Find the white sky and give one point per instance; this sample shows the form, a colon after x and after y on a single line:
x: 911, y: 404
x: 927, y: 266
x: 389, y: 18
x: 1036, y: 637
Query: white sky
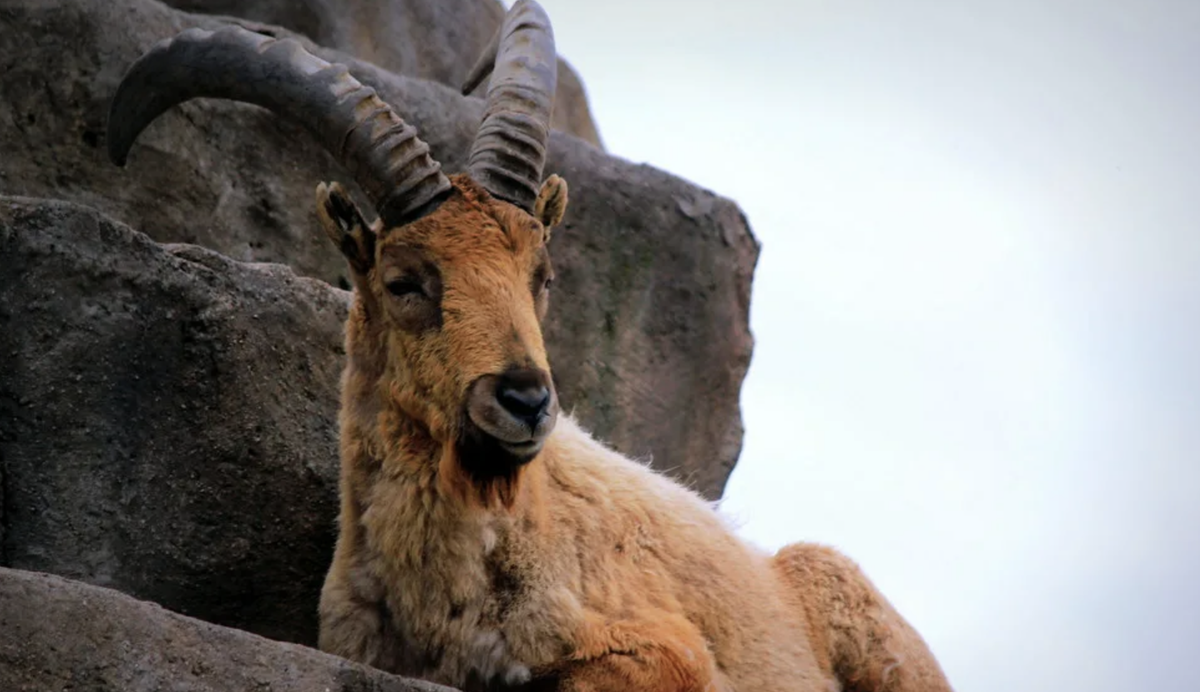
x: 977, y: 367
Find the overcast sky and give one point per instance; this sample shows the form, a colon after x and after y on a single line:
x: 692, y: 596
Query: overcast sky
x: 978, y: 359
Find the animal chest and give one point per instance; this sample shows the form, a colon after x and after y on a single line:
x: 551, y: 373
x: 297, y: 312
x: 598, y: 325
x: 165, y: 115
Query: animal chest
x: 471, y: 613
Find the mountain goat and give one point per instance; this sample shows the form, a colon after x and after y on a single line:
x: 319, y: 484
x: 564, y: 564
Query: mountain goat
x: 487, y: 541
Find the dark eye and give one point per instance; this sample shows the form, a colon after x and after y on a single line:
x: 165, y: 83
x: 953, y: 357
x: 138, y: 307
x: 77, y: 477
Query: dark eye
x: 404, y: 287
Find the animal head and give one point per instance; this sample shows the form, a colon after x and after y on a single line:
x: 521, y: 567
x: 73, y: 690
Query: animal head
x: 448, y: 320
x: 452, y: 280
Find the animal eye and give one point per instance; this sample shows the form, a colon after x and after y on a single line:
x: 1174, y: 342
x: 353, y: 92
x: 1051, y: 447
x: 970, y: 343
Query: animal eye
x: 404, y: 287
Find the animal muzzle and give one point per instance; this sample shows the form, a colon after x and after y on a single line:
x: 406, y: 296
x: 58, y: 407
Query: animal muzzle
x: 517, y: 408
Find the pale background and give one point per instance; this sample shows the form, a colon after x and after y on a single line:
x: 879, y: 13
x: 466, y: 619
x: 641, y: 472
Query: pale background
x: 977, y: 361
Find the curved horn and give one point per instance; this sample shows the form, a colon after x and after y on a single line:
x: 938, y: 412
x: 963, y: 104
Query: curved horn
x: 380, y: 150
x: 510, y: 146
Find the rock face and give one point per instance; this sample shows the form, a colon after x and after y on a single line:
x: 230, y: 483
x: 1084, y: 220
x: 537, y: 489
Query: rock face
x: 648, y: 328
x: 437, y: 40
x: 58, y: 634
x: 167, y: 419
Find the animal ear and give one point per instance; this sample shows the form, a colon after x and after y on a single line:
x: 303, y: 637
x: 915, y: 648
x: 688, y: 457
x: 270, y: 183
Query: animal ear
x: 551, y: 204
x: 344, y: 224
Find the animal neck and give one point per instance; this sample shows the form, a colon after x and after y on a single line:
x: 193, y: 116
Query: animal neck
x: 488, y: 484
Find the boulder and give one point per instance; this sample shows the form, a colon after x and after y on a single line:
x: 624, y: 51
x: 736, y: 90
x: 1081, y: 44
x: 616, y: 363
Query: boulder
x: 648, y: 329
x: 437, y: 40
x: 59, y: 634
x: 168, y: 419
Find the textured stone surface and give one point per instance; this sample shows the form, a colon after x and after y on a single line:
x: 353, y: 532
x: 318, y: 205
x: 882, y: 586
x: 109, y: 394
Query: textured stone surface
x: 437, y: 40
x: 648, y: 329
x: 57, y: 634
x: 167, y: 419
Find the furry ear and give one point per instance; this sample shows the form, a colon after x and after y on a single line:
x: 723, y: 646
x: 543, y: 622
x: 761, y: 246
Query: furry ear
x: 344, y: 224
x: 551, y: 203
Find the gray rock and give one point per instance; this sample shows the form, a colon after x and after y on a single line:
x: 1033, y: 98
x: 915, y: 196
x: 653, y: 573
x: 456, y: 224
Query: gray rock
x: 58, y: 634
x: 167, y: 419
x: 648, y: 328
x: 437, y: 40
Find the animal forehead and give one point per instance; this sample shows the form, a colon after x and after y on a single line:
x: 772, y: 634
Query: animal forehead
x: 484, y: 252
x: 472, y: 236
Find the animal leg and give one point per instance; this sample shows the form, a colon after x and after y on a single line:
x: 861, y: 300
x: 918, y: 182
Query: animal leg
x: 858, y: 637
x: 659, y: 653
x: 352, y: 620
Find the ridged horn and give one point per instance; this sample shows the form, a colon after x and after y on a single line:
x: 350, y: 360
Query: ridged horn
x: 376, y: 146
x: 510, y: 146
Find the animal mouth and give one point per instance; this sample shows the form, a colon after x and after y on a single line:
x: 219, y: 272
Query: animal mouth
x: 529, y: 446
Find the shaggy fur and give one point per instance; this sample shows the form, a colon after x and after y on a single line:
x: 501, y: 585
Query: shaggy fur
x: 573, y: 568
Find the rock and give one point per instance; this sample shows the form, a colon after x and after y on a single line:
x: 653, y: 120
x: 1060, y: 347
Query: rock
x: 167, y: 419
x: 58, y: 634
x: 437, y: 40
x: 648, y: 328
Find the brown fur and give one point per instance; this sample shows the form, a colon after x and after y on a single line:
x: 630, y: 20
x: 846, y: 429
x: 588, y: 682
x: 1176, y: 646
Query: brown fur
x: 577, y: 569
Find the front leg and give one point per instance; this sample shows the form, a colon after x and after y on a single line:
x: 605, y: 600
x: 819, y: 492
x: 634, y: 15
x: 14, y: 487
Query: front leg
x: 656, y: 652
x: 353, y: 620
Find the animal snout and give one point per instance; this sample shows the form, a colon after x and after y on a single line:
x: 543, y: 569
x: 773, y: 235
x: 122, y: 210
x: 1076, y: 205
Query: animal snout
x: 517, y: 408
x: 524, y: 395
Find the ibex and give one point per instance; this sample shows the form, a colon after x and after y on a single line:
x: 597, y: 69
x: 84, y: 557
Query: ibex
x: 486, y: 541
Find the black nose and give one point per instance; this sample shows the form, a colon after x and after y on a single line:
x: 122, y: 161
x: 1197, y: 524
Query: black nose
x: 524, y: 395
